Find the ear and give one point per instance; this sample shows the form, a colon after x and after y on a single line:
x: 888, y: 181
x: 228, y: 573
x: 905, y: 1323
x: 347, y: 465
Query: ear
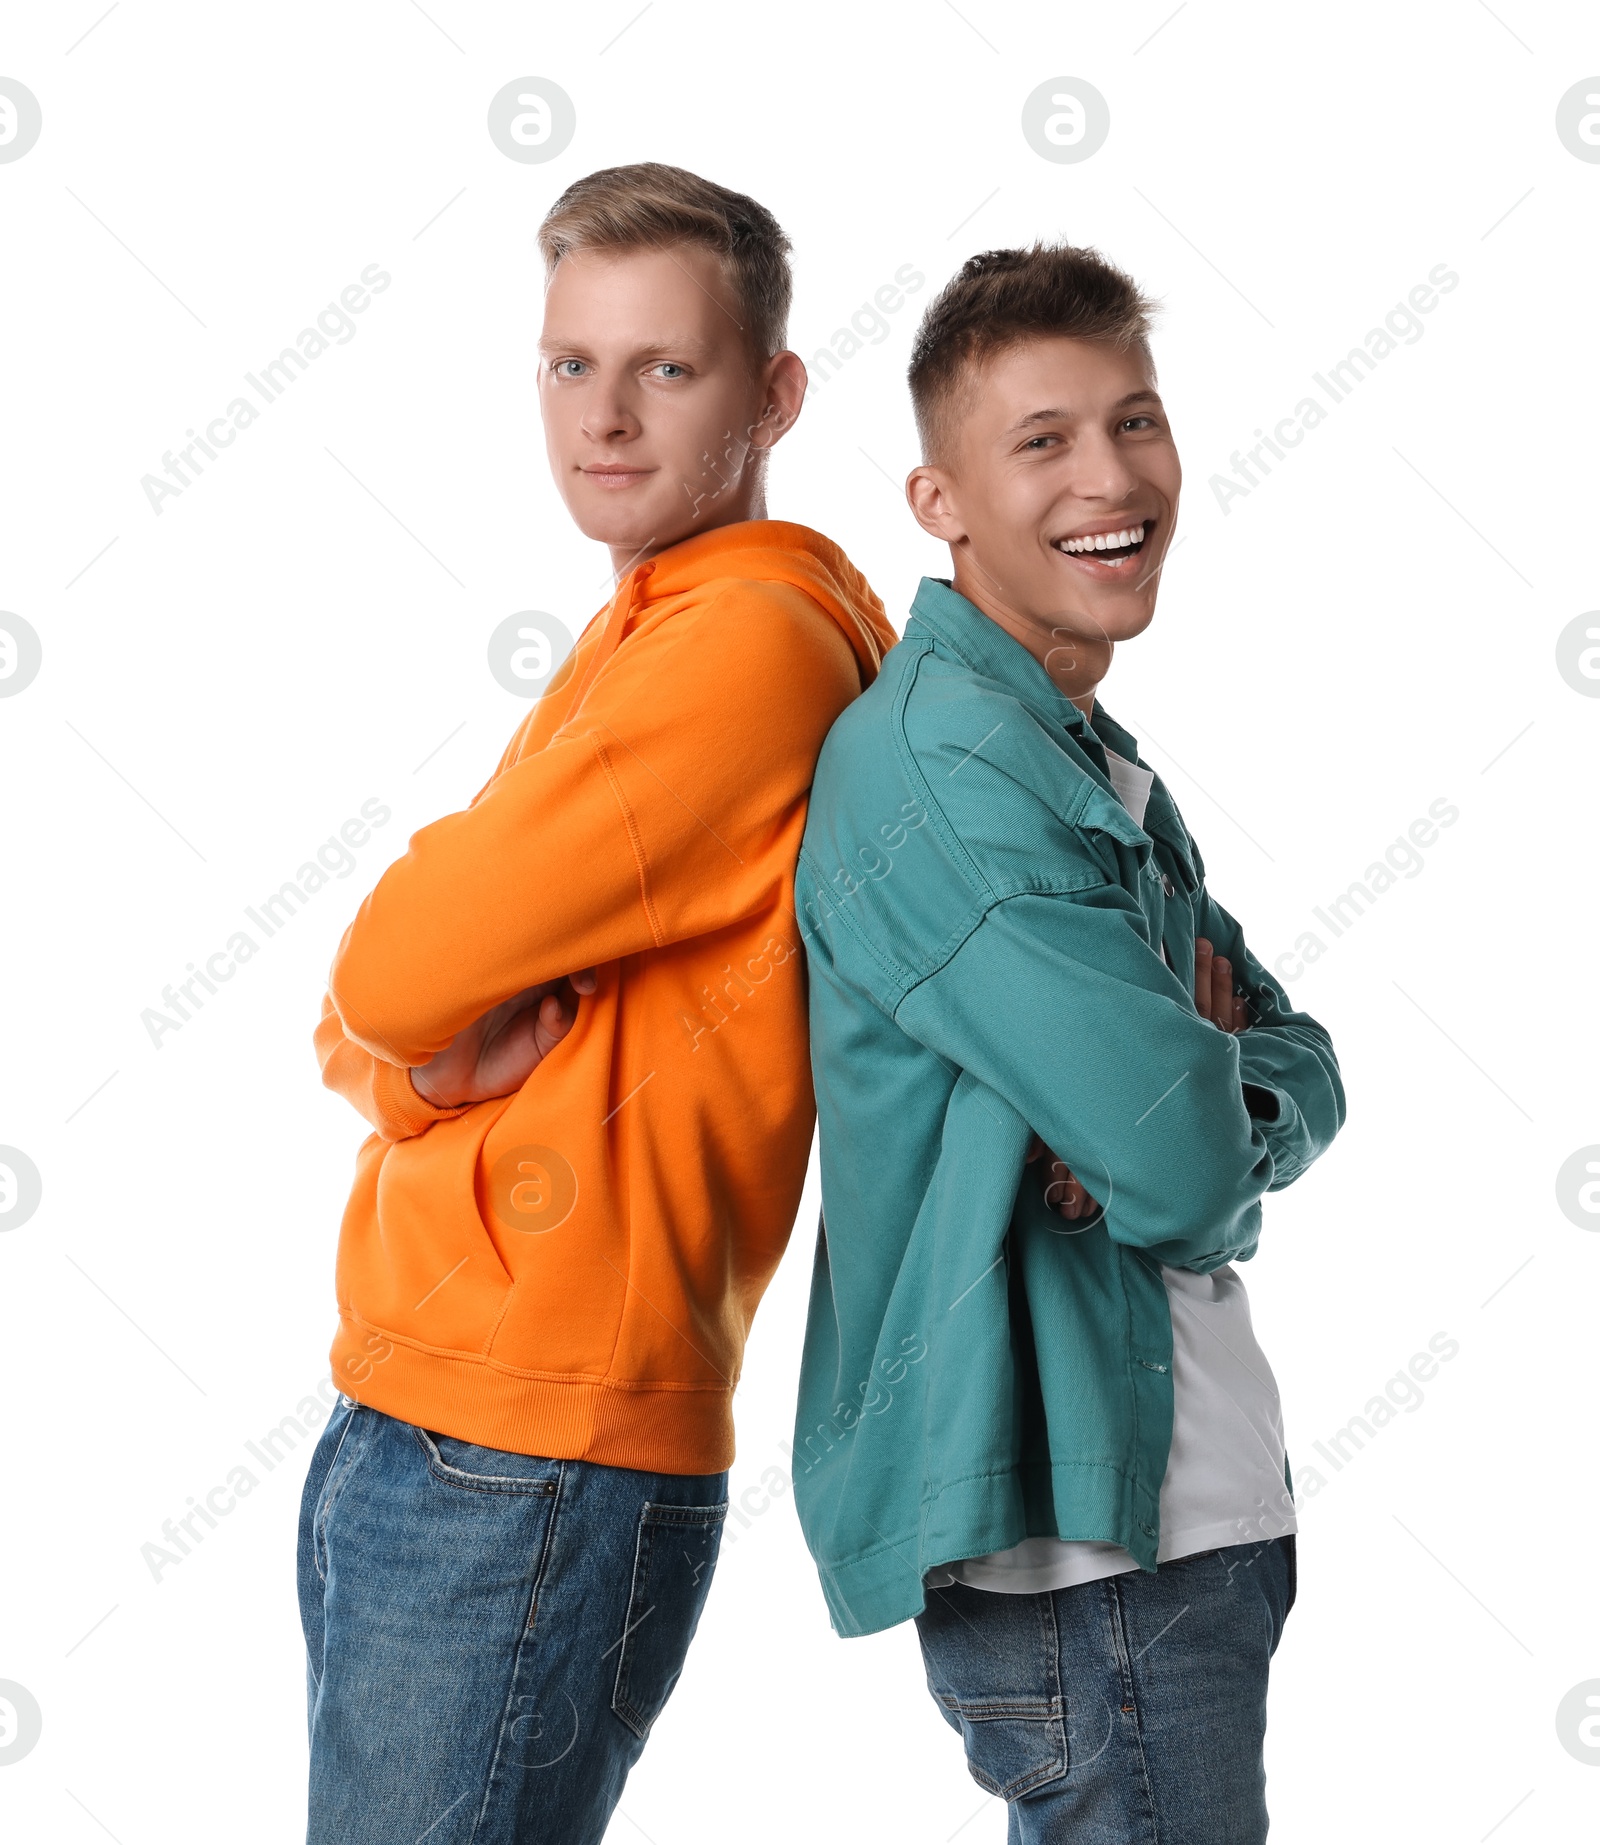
x: 785, y: 392
x: 931, y: 495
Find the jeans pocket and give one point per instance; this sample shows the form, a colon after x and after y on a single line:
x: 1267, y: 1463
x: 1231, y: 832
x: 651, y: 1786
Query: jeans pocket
x: 1013, y: 1744
x: 994, y: 1671
x: 473, y: 1468
x: 674, y: 1555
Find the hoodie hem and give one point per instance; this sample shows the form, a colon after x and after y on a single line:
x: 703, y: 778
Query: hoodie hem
x: 651, y: 1428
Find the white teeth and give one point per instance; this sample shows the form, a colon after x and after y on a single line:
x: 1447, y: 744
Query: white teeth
x: 1104, y: 541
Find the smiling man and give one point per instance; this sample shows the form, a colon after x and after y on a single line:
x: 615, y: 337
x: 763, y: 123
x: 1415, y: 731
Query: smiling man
x: 574, y: 1016
x: 1033, y: 1414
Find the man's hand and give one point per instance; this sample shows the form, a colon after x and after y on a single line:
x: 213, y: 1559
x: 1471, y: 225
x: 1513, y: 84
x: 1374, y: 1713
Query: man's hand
x: 1062, y: 1192
x: 496, y: 1056
x: 1214, y: 997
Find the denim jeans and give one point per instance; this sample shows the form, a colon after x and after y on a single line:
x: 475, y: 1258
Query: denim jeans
x: 1128, y: 1711
x: 489, y: 1636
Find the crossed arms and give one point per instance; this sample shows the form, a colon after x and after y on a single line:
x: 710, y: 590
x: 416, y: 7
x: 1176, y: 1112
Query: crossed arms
x: 1060, y: 1003
x: 1214, y: 999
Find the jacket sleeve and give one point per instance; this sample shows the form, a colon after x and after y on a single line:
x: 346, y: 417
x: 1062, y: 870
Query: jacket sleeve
x: 650, y: 817
x: 1060, y: 1004
x: 1286, y: 1058
x: 382, y: 1093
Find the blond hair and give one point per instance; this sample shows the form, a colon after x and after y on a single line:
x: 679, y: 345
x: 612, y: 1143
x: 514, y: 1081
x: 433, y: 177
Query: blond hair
x: 649, y: 206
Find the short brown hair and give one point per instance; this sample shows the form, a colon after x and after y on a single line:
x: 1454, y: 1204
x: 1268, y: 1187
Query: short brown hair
x: 649, y: 206
x: 1000, y: 299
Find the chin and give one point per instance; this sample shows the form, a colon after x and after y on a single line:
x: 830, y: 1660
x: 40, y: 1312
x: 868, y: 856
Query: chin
x: 1111, y: 620
x: 1124, y: 624
x: 611, y: 525
x: 1119, y: 613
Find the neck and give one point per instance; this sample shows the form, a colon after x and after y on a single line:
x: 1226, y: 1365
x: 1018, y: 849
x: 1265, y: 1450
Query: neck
x: 747, y: 500
x: 1075, y: 662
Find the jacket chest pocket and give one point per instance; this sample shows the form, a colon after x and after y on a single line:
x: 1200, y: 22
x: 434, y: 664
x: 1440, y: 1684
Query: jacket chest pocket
x: 1148, y: 873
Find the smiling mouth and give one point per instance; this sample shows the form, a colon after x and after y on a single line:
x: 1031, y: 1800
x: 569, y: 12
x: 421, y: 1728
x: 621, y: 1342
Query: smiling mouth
x: 1115, y: 547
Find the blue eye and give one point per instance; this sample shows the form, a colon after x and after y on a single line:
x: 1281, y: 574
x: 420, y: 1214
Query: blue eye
x: 669, y: 368
x: 560, y: 367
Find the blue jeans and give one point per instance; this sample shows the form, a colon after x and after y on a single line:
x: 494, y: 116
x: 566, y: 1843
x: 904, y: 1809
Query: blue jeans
x: 489, y: 1636
x: 1128, y: 1711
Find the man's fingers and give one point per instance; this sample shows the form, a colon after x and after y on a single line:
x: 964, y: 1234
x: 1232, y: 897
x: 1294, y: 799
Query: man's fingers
x: 1222, y: 991
x: 1062, y: 1192
x: 1065, y: 1192
x: 1214, y: 997
x: 534, y: 1030
x: 524, y: 1040
x: 552, y: 1023
x: 497, y: 1054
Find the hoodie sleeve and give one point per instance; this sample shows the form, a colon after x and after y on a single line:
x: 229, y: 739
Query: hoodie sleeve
x: 382, y: 1093
x: 657, y: 812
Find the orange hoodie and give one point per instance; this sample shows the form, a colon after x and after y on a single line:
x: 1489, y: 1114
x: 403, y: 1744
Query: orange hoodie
x: 572, y: 1270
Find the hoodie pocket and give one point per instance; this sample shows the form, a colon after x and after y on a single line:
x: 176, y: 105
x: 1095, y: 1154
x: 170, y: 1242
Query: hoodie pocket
x: 415, y: 1257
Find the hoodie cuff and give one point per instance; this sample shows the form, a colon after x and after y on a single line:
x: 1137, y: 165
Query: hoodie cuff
x: 402, y: 1112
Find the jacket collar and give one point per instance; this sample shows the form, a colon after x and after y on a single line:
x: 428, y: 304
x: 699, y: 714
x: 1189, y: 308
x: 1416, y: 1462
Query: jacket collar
x: 943, y: 615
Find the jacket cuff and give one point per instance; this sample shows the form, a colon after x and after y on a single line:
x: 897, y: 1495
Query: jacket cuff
x: 1283, y: 1129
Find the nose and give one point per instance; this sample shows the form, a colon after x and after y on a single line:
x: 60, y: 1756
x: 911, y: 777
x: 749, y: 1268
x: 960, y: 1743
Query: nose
x: 607, y: 415
x: 1102, y: 471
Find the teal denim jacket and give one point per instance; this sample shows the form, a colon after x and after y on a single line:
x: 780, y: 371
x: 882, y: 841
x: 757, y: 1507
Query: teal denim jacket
x: 995, y: 947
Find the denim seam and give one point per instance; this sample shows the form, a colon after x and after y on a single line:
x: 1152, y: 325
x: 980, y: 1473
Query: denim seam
x: 1049, y: 1618
x: 655, y: 1513
x: 1117, y: 1609
x: 622, y: 1706
x: 330, y: 1491
x: 995, y: 1710
x: 525, y: 1640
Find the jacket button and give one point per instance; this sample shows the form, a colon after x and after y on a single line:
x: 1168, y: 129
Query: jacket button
x: 1166, y: 883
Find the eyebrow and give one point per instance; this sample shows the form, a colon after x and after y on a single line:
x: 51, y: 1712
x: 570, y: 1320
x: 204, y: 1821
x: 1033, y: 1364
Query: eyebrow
x: 1059, y: 415
x: 657, y: 349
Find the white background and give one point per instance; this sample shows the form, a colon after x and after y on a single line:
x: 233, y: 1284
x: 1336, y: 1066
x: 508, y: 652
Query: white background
x: 1364, y: 633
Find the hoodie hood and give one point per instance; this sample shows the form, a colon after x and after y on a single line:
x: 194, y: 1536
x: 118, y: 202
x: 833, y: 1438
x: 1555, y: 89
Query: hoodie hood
x: 771, y: 550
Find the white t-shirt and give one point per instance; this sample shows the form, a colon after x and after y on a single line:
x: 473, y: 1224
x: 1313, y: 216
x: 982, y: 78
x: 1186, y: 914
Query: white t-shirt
x: 1224, y: 1482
